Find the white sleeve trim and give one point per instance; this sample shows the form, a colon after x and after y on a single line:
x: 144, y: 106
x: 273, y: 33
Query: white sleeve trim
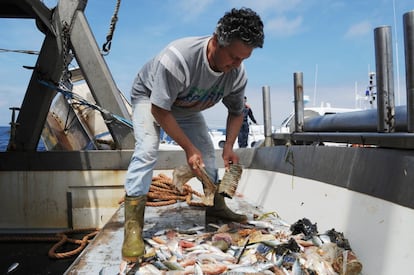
x: 172, y: 68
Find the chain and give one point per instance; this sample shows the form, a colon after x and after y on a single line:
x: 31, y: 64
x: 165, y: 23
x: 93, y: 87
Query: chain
x: 67, y: 56
x: 106, y: 47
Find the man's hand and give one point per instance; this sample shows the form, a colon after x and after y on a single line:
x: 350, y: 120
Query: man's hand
x: 168, y: 122
x: 195, y: 161
x: 229, y: 157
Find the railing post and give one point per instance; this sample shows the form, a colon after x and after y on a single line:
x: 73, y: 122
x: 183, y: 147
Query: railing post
x: 385, y: 79
x: 408, y: 23
x: 267, y: 117
x: 299, y: 105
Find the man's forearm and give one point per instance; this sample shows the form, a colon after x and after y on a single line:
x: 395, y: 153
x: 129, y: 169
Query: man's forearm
x: 234, y: 123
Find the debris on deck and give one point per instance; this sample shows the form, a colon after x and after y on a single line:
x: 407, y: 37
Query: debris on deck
x: 179, y: 242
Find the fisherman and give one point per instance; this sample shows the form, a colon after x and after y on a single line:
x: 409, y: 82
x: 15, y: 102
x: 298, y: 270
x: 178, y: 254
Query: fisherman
x: 170, y: 91
x: 245, y: 128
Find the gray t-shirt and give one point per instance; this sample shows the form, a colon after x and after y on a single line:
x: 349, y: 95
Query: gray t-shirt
x: 180, y: 78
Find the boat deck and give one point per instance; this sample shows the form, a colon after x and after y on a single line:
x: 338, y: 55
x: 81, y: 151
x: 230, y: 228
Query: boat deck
x: 103, y: 254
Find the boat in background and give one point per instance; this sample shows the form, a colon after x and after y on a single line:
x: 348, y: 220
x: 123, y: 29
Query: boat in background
x: 288, y: 124
x: 218, y: 137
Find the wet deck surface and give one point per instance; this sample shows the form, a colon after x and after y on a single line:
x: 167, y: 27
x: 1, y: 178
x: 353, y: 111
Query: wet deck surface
x: 103, y: 254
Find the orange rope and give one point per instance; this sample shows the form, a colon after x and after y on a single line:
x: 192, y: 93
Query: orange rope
x: 162, y: 192
x: 61, y: 238
x: 82, y: 244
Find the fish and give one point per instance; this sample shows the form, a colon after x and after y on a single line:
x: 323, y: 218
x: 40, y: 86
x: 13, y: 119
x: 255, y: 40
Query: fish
x: 149, y: 269
x: 222, y: 236
x: 222, y: 245
x: 213, y: 269
x: 272, y: 243
x: 197, y: 269
x: 175, y: 248
x: 188, y: 262
x: 186, y: 244
x: 192, y: 230
x: 12, y: 267
x: 325, y: 238
x: 160, y: 232
x: 166, y: 252
x: 209, y: 253
x: 264, y: 245
x: 253, y: 269
x: 159, y: 240
x: 262, y: 224
x: 296, y: 268
x: 212, y: 225
x: 316, y: 240
x: 173, y: 265
x: 159, y: 265
x: 214, y: 257
x: 279, y: 260
x: 161, y: 256
x: 152, y: 243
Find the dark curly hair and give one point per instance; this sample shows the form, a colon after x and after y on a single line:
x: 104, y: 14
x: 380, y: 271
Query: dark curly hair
x: 240, y: 24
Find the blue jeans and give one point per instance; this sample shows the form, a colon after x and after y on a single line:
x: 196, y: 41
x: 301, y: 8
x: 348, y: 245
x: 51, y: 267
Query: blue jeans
x: 147, y: 138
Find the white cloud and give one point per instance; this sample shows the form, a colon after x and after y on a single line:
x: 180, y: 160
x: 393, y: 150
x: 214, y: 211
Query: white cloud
x: 191, y: 9
x: 359, y: 29
x: 282, y: 26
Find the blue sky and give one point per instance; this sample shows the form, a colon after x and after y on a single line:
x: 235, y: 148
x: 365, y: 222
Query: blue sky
x: 330, y: 41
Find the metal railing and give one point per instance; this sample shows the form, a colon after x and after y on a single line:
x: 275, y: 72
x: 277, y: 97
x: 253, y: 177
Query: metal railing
x: 385, y: 134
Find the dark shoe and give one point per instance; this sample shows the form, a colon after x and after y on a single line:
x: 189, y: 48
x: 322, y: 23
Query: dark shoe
x: 220, y: 211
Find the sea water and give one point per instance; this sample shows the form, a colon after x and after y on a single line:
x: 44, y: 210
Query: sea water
x: 5, y: 136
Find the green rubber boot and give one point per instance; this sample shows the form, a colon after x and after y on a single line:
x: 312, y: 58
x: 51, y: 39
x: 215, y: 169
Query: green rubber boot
x: 220, y: 211
x: 133, y: 246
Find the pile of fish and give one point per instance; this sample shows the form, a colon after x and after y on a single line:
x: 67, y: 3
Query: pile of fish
x: 265, y: 245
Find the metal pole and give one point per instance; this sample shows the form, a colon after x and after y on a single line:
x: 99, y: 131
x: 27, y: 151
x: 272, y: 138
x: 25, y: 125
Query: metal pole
x: 299, y: 105
x: 408, y: 23
x: 267, y: 116
x: 385, y: 79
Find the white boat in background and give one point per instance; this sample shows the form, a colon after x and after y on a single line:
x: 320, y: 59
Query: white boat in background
x: 218, y: 137
x: 288, y: 124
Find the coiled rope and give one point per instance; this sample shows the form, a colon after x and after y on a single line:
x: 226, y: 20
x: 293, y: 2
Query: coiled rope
x: 61, y: 238
x: 64, y: 238
x: 162, y: 192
